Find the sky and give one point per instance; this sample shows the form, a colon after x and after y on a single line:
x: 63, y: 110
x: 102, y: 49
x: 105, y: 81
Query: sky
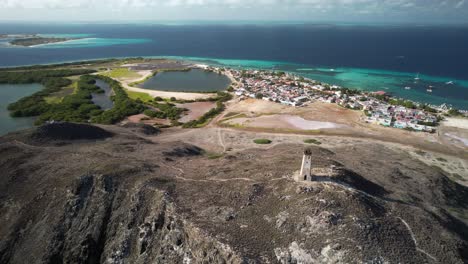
x: 377, y: 11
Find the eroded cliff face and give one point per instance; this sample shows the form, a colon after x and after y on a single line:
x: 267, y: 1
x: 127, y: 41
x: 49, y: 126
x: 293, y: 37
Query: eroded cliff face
x: 127, y: 199
x: 97, y: 219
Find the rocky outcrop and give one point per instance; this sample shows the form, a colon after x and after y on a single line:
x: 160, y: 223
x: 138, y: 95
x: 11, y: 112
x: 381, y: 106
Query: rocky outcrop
x: 131, y: 199
x: 101, y: 223
x: 68, y: 131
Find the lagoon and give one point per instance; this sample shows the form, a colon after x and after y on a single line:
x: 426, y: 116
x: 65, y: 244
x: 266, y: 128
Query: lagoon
x: 194, y: 80
x: 10, y: 93
x: 103, y: 99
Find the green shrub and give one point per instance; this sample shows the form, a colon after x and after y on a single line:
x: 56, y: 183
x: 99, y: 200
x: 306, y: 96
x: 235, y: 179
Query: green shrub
x: 262, y: 141
x: 220, y: 99
x: 312, y: 141
x: 35, y: 104
x: 123, y: 105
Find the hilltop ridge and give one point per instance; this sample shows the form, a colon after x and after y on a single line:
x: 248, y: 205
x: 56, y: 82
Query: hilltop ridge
x: 139, y: 198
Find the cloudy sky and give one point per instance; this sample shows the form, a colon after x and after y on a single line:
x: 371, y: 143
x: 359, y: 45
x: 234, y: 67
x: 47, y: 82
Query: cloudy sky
x: 435, y: 11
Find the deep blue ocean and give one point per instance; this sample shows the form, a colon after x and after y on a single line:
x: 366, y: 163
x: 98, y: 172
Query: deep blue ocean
x: 356, y: 56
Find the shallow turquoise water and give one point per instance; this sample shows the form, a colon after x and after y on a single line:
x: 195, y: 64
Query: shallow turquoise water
x: 10, y: 93
x: 92, y: 43
x: 190, y: 81
x: 455, y: 94
x: 65, y: 35
x: 234, y: 63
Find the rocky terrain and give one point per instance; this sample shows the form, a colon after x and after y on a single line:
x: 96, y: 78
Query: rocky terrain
x: 126, y: 196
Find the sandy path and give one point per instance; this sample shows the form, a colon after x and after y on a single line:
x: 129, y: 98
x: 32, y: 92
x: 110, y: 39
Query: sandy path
x: 196, y: 110
x: 415, y: 241
x: 284, y: 121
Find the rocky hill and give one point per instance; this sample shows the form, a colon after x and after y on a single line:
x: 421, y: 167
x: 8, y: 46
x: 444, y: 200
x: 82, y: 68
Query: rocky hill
x: 122, y: 197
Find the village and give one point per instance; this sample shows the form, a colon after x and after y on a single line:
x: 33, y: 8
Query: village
x: 284, y: 88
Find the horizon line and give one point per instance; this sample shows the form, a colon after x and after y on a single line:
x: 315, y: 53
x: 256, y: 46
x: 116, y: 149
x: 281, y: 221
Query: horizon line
x: 240, y: 21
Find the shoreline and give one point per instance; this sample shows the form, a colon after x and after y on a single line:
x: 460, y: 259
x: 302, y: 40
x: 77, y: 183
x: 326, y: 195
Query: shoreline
x: 163, y: 94
x: 58, y: 42
x: 205, y: 61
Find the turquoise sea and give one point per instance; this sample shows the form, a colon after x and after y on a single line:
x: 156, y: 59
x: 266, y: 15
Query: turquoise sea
x: 364, y: 79
x: 366, y: 57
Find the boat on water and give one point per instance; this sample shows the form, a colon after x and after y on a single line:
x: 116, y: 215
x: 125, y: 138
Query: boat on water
x: 449, y: 83
x: 417, y: 77
x: 407, y: 88
x: 429, y: 89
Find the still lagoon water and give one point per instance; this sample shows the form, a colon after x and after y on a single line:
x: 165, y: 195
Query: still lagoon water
x: 195, y: 80
x: 103, y: 100
x: 11, y: 93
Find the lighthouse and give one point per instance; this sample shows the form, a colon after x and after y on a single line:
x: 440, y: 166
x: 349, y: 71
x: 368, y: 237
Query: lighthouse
x: 306, y: 168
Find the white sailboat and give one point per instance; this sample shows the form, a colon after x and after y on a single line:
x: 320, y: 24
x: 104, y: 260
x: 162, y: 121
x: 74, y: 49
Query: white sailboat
x: 417, y: 77
x: 429, y: 89
x: 407, y: 88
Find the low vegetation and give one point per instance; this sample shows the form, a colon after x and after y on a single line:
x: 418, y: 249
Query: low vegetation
x: 123, y: 105
x: 262, y: 141
x: 59, y: 65
x: 312, y: 141
x: 213, y: 155
x: 35, y: 104
x: 220, y: 99
x: 165, y: 110
x: 121, y: 73
x: 77, y: 107
x: 144, y: 97
x: 454, y: 112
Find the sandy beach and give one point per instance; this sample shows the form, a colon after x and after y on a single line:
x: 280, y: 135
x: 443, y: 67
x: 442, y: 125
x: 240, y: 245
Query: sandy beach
x: 456, y: 122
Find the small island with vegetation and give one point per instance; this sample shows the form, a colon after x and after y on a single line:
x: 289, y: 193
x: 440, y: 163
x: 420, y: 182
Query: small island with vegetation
x: 30, y: 40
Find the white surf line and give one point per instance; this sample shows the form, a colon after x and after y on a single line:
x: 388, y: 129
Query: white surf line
x: 415, y: 241
x: 59, y: 42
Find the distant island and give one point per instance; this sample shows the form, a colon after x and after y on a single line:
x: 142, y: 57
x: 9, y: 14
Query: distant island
x: 29, y: 40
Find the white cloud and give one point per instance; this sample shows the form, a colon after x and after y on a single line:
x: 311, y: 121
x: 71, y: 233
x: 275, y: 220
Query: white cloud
x: 316, y: 4
x: 339, y: 10
x: 460, y: 4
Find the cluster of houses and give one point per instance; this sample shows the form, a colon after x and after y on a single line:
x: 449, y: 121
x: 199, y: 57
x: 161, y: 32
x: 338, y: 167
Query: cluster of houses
x: 296, y: 91
x: 401, y: 117
x: 280, y: 88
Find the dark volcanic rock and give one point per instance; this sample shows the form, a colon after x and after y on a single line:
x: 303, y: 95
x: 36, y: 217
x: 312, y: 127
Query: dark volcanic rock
x: 184, y: 151
x: 143, y: 129
x: 68, y: 131
x: 102, y: 202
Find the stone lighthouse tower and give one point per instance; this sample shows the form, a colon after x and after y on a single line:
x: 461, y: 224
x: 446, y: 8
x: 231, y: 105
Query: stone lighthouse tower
x: 306, y: 168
